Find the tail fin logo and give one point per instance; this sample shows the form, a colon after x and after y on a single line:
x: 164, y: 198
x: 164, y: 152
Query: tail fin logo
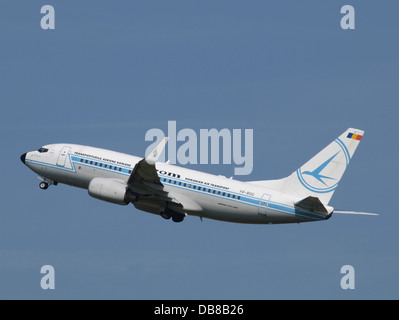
x: 324, y: 177
x: 317, y: 172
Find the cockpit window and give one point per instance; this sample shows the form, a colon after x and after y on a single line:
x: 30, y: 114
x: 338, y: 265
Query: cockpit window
x: 42, y: 150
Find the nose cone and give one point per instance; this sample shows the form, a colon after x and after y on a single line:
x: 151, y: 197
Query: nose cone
x: 23, y: 158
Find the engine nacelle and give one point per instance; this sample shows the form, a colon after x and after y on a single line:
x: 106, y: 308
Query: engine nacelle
x: 109, y: 190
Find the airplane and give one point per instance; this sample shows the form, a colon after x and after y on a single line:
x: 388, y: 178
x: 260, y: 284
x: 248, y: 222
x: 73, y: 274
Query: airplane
x: 174, y: 192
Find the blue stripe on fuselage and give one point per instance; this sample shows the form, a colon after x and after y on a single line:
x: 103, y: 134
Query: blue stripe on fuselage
x: 244, y: 199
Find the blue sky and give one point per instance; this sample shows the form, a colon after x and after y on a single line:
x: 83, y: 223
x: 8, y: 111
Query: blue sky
x: 110, y: 71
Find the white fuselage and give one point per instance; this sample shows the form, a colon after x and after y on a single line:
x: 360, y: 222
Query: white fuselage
x: 216, y: 197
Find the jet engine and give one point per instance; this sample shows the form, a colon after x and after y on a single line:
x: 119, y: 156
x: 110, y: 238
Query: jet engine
x: 110, y: 190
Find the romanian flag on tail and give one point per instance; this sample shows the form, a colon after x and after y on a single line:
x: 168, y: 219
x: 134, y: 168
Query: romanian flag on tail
x: 355, y: 136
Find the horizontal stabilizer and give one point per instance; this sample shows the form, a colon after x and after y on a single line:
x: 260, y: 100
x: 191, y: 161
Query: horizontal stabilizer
x: 358, y: 213
x: 313, y: 204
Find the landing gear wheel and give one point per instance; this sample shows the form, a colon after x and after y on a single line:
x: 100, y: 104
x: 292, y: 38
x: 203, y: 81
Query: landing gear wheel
x: 165, y: 215
x: 43, y: 185
x: 178, y: 217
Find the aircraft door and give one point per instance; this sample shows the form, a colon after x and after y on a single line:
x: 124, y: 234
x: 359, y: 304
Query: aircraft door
x: 264, y: 204
x: 63, y: 156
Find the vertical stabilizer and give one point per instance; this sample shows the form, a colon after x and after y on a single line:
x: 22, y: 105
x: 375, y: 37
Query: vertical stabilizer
x: 319, y: 177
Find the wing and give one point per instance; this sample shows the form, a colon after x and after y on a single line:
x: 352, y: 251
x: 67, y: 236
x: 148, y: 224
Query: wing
x: 144, y: 177
x: 144, y: 181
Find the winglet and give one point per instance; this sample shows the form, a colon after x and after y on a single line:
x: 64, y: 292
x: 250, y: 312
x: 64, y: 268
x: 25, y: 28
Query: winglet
x: 144, y: 170
x: 154, y: 155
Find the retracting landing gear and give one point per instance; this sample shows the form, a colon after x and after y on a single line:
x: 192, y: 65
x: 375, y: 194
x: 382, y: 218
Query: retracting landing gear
x: 168, y: 213
x: 45, y: 183
x: 165, y: 215
x: 178, y: 217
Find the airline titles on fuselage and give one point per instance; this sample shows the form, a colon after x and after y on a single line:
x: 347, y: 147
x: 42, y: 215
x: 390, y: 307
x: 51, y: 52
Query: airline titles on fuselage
x: 162, y: 172
x: 102, y: 159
